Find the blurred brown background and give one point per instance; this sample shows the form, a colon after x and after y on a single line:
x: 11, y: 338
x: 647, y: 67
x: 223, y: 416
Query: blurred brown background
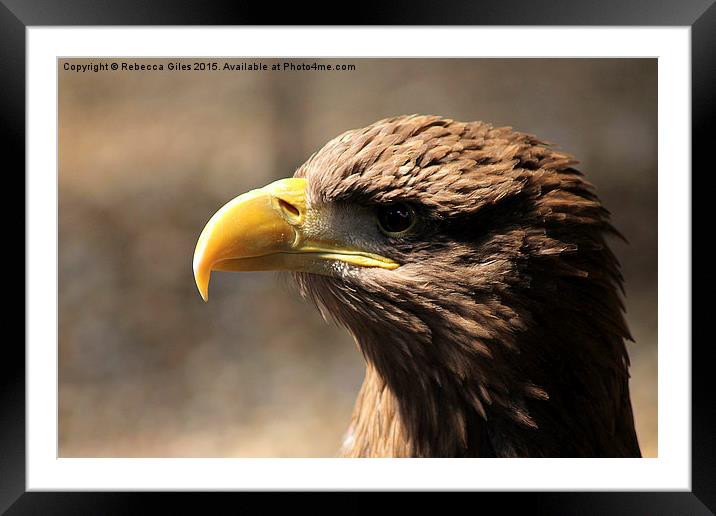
x: 147, y: 369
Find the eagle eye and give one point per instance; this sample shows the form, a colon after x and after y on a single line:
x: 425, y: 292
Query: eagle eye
x: 396, y: 219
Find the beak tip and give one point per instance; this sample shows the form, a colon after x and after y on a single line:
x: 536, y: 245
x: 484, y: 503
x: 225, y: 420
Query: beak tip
x: 203, y: 288
x: 202, y: 275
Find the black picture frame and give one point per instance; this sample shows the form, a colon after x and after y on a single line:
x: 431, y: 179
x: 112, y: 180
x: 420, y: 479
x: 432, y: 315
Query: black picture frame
x: 17, y: 15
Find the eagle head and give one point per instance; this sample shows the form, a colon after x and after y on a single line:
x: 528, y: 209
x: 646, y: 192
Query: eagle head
x: 470, y: 264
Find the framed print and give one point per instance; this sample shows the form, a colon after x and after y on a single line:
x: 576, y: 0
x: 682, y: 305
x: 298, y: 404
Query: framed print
x: 423, y: 257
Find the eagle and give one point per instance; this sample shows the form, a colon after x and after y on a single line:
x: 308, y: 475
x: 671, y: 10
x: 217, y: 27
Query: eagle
x: 470, y: 263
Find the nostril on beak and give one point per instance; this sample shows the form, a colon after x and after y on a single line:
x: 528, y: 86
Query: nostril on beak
x: 290, y: 212
x: 287, y: 206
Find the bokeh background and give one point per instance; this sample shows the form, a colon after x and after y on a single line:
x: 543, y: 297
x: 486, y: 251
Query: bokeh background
x: 147, y: 369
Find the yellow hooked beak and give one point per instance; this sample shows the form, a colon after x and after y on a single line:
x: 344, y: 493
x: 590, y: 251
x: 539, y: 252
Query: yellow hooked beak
x: 265, y: 230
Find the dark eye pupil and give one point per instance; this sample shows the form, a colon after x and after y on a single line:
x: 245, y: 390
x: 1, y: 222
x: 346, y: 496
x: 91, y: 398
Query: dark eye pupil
x: 395, y: 217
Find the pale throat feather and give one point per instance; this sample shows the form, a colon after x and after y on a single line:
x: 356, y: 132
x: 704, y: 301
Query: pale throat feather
x: 375, y: 429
